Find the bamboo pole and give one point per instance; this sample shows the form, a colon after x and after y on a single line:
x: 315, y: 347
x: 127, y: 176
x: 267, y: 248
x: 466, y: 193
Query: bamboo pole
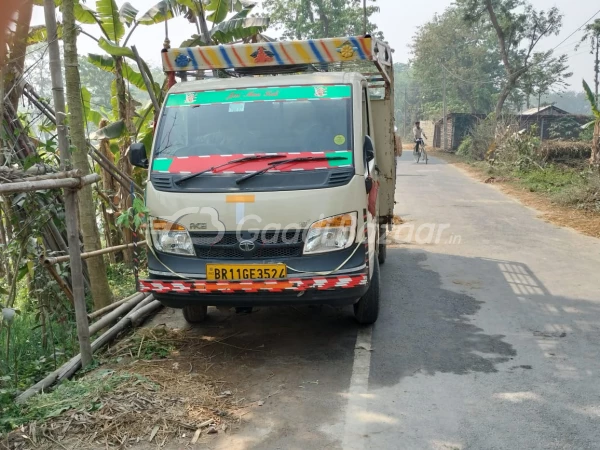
x: 126, y: 180
x: 71, y: 210
x: 142, y: 304
x: 100, y: 312
x: 117, y: 248
x: 61, y: 283
x: 116, y: 313
x: 149, y: 86
x: 70, y: 367
x: 51, y: 176
x: 28, y: 186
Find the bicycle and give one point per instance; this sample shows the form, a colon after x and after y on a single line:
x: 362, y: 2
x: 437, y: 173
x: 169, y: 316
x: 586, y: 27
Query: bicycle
x: 419, y: 152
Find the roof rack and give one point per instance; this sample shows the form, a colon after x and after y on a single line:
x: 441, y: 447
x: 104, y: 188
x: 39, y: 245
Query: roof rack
x: 284, y: 57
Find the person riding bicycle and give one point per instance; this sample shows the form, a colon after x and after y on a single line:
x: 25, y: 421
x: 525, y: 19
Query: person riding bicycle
x: 419, y: 134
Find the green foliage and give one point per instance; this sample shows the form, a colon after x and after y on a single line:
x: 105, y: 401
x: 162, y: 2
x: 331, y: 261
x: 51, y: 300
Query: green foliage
x: 114, y: 130
x: 127, y: 13
x: 150, y: 343
x: 33, y: 351
x: 519, y: 29
x: 481, y: 140
x: 121, y: 280
x: 582, y: 194
x: 465, y: 147
x: 114, y: 49
x: 162, y: 11
x: 309, y: 19
x: 84, y: 14
x: 91, y: 115
x: 38, y: 34
x: 219, y: 10
x: 550, y: 179
x: 591, y: 99
x: 408, y: 99
x: 546, y: 74
x: 571, y: 101
x: 110, y: 20
x: 565, y: 128
x: 136, y: 216
x: 463, y: 53
x: 83, y: 395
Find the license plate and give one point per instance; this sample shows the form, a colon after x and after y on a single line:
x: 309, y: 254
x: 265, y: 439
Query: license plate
x: 245, y: 271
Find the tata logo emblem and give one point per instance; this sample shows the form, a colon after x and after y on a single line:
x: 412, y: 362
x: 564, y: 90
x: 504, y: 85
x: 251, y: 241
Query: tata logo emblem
x: 247, y: 246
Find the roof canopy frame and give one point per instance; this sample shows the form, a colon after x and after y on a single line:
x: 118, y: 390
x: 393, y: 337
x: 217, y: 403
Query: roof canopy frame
x: 285, y: 57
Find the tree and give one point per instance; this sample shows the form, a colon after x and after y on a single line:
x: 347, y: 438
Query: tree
x: 310, y: 19
x: 571, y: 101
x: 544, y: 77
x: 595, y: 158
x: 17, y: 52
x: 463, y: 53
x: 76, y: 262
x: 592, y: 34
x: 408, y: 99
x: 519, y: 29
x: 101, y: 293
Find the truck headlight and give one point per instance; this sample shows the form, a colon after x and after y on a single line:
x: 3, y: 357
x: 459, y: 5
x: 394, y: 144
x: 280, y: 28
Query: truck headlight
x: 333, y: 233
x: 170, y: 237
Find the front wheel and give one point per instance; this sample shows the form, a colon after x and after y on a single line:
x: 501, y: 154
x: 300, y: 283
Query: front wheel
x: 382, y: 250
x: 366, y: 310
x: 195, y: 313
x: 417, y: 155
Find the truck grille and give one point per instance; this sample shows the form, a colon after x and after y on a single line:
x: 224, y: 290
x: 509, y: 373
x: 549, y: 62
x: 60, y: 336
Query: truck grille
x: 267, y: 245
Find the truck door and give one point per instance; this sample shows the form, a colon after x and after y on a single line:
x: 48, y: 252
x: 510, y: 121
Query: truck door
x: 370, y: 169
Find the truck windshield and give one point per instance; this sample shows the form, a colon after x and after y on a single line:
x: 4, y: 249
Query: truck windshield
x: 287, y: 119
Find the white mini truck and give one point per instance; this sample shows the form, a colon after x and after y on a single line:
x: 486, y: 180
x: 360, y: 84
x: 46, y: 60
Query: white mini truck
x: 272, y: 184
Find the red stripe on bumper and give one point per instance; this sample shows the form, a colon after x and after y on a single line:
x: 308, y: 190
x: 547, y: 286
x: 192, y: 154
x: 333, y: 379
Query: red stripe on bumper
x: 292, y: 284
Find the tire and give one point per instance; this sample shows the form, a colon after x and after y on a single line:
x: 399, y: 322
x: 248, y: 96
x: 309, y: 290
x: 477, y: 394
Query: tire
x: 382, y: 250
x: 417, y: 156
x: 366, y: 310
x: 195, y: 313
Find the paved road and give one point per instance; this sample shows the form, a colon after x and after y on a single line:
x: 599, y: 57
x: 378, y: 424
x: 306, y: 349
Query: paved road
x: 489, y: 337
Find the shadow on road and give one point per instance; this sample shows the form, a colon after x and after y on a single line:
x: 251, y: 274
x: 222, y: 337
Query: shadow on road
x: 427, y: 329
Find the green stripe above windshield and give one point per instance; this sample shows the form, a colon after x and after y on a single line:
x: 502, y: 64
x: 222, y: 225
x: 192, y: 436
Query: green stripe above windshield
x: 319, y: 92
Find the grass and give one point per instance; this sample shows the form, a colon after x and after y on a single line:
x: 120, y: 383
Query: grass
x: 552, y: 179
x: 26, y: 357
x: 121, y: 280
x: 83, y: 395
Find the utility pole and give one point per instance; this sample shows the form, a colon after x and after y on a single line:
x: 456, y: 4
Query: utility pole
x: 70, y: 194
x: 365, y: 17
x: 405, y: 114
x: 445, y: 144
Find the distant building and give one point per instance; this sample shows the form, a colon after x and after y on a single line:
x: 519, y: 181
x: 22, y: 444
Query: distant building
x: 549, y: 110
x: 460, y: 124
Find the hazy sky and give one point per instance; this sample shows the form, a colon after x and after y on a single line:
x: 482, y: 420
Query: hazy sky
x: 398, y: 19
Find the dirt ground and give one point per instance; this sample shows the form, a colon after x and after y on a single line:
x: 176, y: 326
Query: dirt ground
x: 587, y: 223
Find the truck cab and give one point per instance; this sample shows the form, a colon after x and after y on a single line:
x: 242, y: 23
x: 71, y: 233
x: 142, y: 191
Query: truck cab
x: 269, y: 190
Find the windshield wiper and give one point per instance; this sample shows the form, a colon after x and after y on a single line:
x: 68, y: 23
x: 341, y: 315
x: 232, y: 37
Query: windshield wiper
x: 239, y: 160
x: 285, y: 161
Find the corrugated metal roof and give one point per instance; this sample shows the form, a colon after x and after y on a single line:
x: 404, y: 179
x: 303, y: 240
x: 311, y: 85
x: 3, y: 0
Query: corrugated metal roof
x: 533, y: 111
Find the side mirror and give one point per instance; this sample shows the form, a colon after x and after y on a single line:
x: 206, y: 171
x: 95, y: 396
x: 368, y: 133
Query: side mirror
x: 369, y: 149
x: 137, y: 155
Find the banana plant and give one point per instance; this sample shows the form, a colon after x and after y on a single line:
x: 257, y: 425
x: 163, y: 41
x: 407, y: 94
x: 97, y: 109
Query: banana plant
x: 595, y: 157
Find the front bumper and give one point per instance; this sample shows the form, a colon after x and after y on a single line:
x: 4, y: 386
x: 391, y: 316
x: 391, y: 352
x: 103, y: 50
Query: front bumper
x: 332, y: 290
x: 180, y: 281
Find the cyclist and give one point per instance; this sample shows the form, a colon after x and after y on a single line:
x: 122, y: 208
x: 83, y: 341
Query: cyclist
x: 419, y: 135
